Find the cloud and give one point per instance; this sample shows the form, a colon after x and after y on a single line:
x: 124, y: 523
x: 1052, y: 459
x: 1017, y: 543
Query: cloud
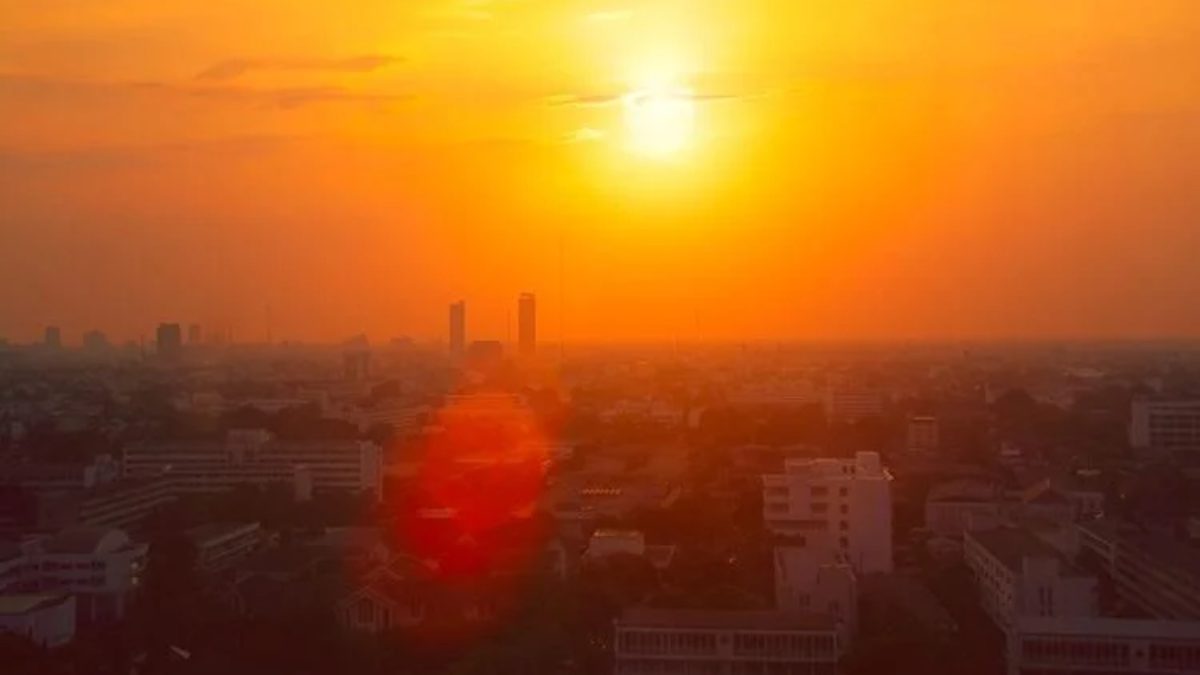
x: 286, y: 98
x: 601, y: 100
x: 133, y: 156
x: 234, y: 68
x: 584, y: 135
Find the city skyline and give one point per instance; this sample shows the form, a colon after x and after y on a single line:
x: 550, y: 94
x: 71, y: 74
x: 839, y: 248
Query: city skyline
x: 754, y: 172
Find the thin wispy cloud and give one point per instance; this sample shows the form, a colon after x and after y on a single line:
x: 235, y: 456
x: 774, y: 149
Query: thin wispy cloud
x: 235, y: 68
x: 601, y: 100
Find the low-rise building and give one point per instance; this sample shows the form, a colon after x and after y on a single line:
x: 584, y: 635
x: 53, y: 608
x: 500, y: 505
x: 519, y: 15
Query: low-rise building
x: 101, y: 567
x: 221, y: 545
x: 1112, y: 646
x: 255, y: 457
x: 1019, y: 575
x: 957, y: 506
x: 47, y: 620
x: 1150, y: 571
x: 686, y: 642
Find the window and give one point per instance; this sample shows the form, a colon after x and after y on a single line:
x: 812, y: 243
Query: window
x: 820, y: 507
x: 844, y: 542
x: 845, y: 509
x: 819, y: 491
x: 844, y: 491
x: 844, y: 526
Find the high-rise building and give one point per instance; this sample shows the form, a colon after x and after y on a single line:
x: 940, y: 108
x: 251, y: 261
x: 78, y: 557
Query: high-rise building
x: 52, y: 338
x: 95, y: 341
x: 169, y: 340
x: 527, y: 324
x: 194, y: 334
x: 847, y: 500
x: 458, y: 327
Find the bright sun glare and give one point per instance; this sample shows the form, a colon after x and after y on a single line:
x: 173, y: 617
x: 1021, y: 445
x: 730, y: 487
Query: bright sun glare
x: 659, y: 120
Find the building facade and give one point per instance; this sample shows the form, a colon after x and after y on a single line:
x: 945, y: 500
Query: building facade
x: 458, y: 328
x: 46, y: 620
x: 850, y: 499
x: 704, y: 642
x: 1164, y: 426
x: 1019, y: 575
x: 527, y: 324
x: 100, y: 567
x: 256, y: 457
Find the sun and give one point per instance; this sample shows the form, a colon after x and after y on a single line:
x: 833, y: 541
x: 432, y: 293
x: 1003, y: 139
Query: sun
x: 659, y: 120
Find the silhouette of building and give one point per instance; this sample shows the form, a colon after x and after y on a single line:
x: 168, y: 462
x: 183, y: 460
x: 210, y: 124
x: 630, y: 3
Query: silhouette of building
x: 95, y: 341
x: 527, y: 324
x: 194, y: 334
x: 458, y: 327
x: 356, y: 365
x: 52, y: 338
x: 169, y: 339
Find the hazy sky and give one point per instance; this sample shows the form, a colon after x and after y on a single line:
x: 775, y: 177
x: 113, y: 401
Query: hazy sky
x: 899, y: 168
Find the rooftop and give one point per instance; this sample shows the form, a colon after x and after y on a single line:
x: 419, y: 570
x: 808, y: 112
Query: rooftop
x: 210, y: 531
x: 1161, y: 548
x: 21, y: 604
x: 1011, y: 546
x: 726, y: 620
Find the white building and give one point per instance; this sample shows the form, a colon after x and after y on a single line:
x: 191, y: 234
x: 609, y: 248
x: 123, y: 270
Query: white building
x: 1050, y: 617
x: 1165, y: 426
x: 850, y: 499
x: 47, y: 620
x: 812, y: 579
x: 689, y: 642
x: 255, y: 457
x: 1019, y: 575
x: 101, y: 567
x: 1048, y: 646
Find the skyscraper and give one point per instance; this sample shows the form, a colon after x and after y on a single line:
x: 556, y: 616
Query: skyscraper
x: 52, y: 338
x: 95, y: 341
x: 527, y: 324
x: 194, y: 334
x: 169, y: 339
x: 458, y: 327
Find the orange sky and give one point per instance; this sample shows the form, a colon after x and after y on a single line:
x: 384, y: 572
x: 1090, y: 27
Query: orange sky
x: 890, y: 169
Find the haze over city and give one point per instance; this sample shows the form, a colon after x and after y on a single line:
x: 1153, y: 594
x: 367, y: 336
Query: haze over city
x: 731, y: 171
x: 599, y: 337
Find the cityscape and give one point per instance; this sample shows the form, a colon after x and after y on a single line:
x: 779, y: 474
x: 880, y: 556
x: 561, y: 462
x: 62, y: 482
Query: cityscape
x: 599, y: 337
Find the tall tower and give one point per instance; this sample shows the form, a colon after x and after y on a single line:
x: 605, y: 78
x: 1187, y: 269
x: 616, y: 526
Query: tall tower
x: 52, y: 338
x: 169, y: 341
x: 527, y: 324
x: 458, y: 327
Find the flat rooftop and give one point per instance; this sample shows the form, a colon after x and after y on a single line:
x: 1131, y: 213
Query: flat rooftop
x: 20, y: 604
x: 702, y: 619
x: 1011, y: 545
